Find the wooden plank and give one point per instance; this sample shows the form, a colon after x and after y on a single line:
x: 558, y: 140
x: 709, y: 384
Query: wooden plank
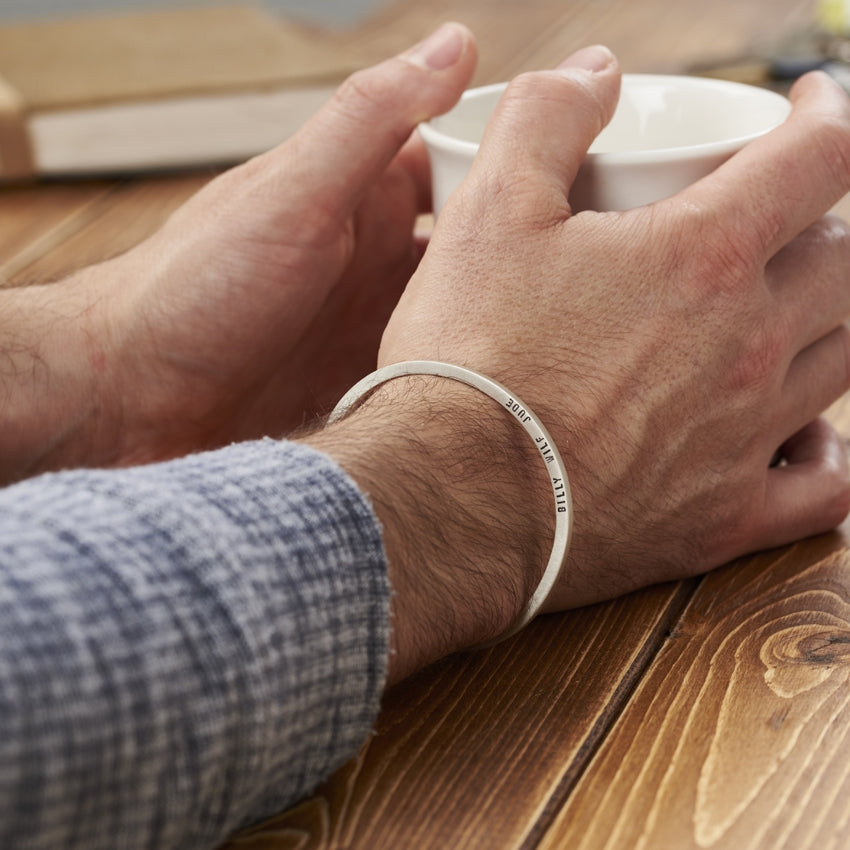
x: 131, y: 212
x: 738, y: 734
x: 37, y: 218
x: 474, y: 751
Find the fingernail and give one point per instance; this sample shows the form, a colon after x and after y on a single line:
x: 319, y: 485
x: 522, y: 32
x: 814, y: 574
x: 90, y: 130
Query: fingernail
x: 594, y: 58
x: 440, y: 50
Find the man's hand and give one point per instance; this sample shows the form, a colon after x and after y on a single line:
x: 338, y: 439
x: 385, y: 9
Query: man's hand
x: 671, y: 350
x: 256, y: 305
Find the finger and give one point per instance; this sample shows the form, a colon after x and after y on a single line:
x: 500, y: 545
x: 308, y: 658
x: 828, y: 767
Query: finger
x: 349, y: 143
x: 809, y: 280
x: 811, y: 493
x: 542, y: 127
x: 782, y: 182
x: 817, y: 376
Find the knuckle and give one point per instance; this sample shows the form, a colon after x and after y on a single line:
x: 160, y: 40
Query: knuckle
x: 519, y: 197
x: 513, y: 197
x: 523, y: 185
x: 574, y: 92
x: 523, y: 84
x: 736, y: 258
x: 522, y: 89
x: 749, y: 239
x: 497, y: 208
x: 371, y: 100
x: 830, y: 235
x: 712, y: 254
x: 361, y: 85
x: 761, y: 356
x: 731, y: 519
x: 364, y: 90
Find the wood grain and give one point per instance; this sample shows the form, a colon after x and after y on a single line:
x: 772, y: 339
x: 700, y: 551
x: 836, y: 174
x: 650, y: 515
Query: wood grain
x: 478, y: 750
x: 35, y: 220
x: 108, y: 225
x: 738, y: 734
x: 708, y: 714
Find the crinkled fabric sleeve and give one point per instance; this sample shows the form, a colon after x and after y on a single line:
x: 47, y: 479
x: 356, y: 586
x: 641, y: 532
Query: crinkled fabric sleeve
x: 184, y: 647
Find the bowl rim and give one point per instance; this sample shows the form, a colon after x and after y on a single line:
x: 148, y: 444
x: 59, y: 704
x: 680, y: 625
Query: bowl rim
x: 437, y: 138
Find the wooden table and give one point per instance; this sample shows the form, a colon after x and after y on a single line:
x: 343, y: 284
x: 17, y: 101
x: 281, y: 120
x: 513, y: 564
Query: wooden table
x: 711, y: 713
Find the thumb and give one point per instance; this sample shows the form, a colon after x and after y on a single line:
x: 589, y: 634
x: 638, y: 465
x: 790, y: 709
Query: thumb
x: 542, y: 127
x: 353, y: 138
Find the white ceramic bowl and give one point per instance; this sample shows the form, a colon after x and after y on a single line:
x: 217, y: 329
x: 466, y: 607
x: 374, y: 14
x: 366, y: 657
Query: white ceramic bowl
x: 667, y: 132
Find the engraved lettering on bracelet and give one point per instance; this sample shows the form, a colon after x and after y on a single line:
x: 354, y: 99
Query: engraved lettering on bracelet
x: 518, y: 410
x: 560, y: 495
x: 545, y: 450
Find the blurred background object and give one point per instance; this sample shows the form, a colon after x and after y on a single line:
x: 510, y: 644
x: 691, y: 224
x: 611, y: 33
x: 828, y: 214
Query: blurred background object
x: 834, y: 16
x: 134, y: 90
x: 192, y: 96
x: 327, y: 12
x: 822, y: 43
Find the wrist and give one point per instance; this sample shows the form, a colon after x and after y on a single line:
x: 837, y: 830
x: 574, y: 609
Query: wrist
x: 156, y: 400
x: 465, y: 505
x: 56, y: 344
